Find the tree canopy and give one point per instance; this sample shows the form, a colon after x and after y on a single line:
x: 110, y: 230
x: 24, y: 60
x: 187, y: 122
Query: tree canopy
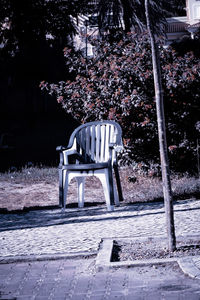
x: 33, y: 34
x: 26, y: 22
x: 132, y: 12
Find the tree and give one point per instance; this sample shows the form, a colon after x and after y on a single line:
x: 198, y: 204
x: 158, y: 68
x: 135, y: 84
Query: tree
x: 111, y: 13
x: 168, y: 197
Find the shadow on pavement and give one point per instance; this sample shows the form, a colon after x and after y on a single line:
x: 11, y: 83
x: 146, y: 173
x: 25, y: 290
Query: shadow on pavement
x: 92, y: 212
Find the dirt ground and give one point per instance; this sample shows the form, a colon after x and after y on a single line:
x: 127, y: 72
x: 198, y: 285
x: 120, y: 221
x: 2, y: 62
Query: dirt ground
x: 151, y: 249
x: 39, y: 188
x: 16, y: 196
x: 33, y: 187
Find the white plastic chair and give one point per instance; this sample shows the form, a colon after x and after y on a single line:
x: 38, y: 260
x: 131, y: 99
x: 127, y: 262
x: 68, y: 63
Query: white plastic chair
x: 92, y: 151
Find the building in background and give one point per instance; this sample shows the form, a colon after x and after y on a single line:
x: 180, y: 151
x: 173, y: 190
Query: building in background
x: 184, y: 25
x: 177, y: 27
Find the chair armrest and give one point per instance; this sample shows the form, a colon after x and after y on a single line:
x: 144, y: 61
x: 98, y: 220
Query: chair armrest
x: 61, y: 148
x: 70, y: 152
x: 117, y: 148
x: 66, y: 152
x: 71, y: 155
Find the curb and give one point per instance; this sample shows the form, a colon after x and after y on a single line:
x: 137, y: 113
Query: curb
x: 44, y: 257
x: 104, y: 256
x: 190, y: 265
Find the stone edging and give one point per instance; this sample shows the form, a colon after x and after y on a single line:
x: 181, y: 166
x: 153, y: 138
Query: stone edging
x: 188, y: 264
x: 43, y: 257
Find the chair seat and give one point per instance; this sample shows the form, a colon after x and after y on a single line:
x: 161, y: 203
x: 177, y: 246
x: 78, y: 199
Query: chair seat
x: 85, y: 167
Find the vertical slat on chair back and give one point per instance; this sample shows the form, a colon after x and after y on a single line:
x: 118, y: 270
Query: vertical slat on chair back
x: 93, y: 141
x: 102, y: 143
x: 97, y: 143
x: 81, y: 142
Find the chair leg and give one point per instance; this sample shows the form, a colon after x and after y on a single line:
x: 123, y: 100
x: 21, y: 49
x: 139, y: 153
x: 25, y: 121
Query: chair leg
x: 81, y: 191
x: 104, y: 178
x: 66, y: 184
x: 119, y: 188
x: 60, y: 172
x: 116, y: 197
x: 111, y: 186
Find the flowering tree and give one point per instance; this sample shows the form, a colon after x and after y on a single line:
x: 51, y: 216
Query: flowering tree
x: 118, y: 84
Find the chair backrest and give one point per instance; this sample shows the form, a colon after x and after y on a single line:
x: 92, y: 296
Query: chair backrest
x: 92, y: 140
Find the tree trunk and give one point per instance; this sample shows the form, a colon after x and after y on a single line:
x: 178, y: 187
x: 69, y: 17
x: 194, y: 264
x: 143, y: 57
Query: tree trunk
x: 168, y: 197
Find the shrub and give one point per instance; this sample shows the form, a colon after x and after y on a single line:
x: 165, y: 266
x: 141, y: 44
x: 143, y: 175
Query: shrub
x: 117, y: 84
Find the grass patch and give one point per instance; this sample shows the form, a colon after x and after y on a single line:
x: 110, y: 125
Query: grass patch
x: 145, y: 188
x: 31, y: 175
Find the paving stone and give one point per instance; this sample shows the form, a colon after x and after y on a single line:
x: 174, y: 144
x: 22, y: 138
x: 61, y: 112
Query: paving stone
x: 49, y: 232
x: 96, y: 297
x: 135, y: 296
x: 27, y: 289
x: 82, y: 230
x: 60, y: 293
x: 113, y: 284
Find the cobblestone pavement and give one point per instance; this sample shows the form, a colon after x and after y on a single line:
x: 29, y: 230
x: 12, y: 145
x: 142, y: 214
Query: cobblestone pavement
x: 48, y: 231
x: 78, y: 280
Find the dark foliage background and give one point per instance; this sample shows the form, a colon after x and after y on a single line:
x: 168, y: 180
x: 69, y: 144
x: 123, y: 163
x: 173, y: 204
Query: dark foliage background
x: 33, y: 34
